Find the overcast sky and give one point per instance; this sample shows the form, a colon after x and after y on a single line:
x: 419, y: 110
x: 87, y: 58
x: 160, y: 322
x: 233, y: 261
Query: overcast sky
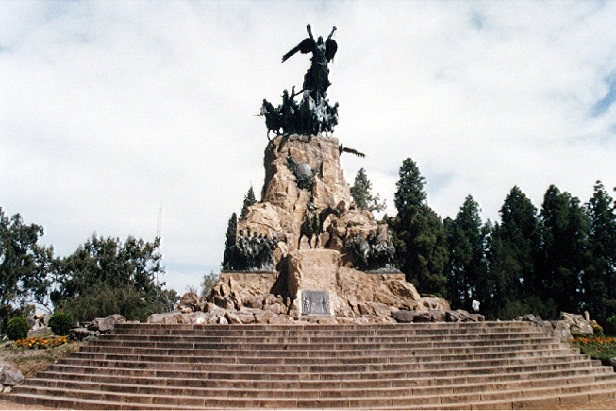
x: 111, y: 111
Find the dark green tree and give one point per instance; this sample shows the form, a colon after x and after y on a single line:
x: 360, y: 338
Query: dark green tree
x: 231, y: 240
x: 466, y: 239
x: 362, y: 193
x: 562, y: 257
x: 599, y: 279
x: 419, y: 234
x: 249, y: 199
x: 24, y: 267
x: 208, y: 283
x: 108, y: 276
x: 507, y: 291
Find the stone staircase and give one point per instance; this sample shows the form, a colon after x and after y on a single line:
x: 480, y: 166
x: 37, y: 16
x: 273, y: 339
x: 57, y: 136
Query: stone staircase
x: 490, y: 365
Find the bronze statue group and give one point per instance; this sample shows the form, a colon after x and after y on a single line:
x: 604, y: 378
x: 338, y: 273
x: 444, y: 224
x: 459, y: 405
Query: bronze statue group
x: 313, y: 114
x: 310, y: 116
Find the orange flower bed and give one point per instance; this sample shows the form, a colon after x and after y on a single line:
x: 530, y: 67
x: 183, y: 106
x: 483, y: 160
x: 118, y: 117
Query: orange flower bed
x: 594, y: 340
x: 35, y: 343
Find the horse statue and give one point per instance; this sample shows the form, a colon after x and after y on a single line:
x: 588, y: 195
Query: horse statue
x: 313, y: 224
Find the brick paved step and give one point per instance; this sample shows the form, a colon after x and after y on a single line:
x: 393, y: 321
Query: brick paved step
x: 329, y: 347
x: 493, y: 388
x: 420, y: 366
x: 171, y: 371
x: 432, y: 327
x: 406, y: 350
x: 297, y: 364
x: 341, y: 380
x: 208, y: 357
x: 290, y: 399
x: 527, y: 403
x: 342, y: 338
x: 543, y: 378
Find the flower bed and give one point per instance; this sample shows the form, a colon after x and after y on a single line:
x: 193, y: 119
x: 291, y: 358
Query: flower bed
x: 600, y: 347
x: 41, y: 343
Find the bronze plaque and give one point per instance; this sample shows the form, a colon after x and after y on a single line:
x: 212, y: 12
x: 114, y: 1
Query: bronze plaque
x: 315, y: 303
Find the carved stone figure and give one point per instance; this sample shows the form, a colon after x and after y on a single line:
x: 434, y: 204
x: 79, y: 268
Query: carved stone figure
x: 317, y: 78
x: 371, y: 253
x: 313, y: 224
x: 251, y: 252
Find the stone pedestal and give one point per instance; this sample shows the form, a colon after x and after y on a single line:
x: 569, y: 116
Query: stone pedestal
x: 314, y: 270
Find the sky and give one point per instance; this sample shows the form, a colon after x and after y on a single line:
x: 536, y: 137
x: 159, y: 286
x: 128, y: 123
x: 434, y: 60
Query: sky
x: 136, y: 118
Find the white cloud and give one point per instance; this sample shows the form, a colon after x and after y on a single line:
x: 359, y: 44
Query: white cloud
x: 114, y: 109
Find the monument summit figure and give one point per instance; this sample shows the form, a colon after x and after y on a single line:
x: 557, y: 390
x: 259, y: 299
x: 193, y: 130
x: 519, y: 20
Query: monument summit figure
x: 316, y: 79
x: 313, y: 114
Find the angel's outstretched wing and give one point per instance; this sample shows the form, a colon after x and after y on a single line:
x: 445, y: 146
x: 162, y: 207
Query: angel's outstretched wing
x: 352, y: 151
x: 331, y: 47
x: 306, y: 46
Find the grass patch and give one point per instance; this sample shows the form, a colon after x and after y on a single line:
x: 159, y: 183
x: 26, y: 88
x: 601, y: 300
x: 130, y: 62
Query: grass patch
x: 597, y: 346
x: 32, y: 361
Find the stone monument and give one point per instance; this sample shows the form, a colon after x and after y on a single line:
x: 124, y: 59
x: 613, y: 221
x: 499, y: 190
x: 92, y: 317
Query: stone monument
x: 305, y: 252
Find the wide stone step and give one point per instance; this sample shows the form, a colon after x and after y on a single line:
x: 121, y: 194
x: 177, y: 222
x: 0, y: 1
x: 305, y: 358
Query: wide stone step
x: 202, y: 379
x: 326, y: 390
x: 290, y: 399
x: 273, y: 338
x: 418, y: 363
x: 432, y: 328
x: 419, y: 366
x: 329, y: 347
x: 408, y: 350
x: 205, y: 357
x: 326, y: 374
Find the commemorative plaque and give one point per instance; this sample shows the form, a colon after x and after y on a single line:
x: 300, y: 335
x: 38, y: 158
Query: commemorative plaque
x: 315, y: 303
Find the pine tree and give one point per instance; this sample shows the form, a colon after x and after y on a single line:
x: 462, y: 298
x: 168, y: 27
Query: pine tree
x: 600, y: 276
x: 466, y: 239
x: 231, y: 240
x: 508, y: 292
x: 362, y: 193
x: 419, y: 234
x: 563, y: 254
x: 249, y: 199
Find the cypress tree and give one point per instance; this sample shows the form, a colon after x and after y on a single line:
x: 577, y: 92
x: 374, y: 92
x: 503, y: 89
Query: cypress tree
x: 419, y: 234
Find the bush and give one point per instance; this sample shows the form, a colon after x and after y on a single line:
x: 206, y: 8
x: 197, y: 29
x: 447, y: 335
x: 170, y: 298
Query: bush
x: 597, y: 329
x: 103, y: 300
x: 610, y: 325
x: 17, y: 328
x: 60, y: 323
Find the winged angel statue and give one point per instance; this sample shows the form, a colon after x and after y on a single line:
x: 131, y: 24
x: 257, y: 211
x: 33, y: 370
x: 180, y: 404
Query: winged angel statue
x: 316, y: 79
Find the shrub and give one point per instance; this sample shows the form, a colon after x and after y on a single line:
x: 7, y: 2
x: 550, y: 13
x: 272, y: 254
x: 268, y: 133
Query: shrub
x: 17, y: 328
x: 597, y: 329
x: 60, y: 323
x: 610, y: 325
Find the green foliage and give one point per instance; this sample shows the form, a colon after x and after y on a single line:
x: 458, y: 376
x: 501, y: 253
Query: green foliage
x: 249, y: 199
x: 362, y: 193
x: 103, y: 299
x: 208, y: 283
x: 513, y: 247
x: 231, y: 240
x: 105, y: 276
x: 466, y: 241
x: 598, y: 347
x: 60, y: 323
x: 17, y: 328
x: 563, y: 254
x: 24, y: 266
x: 418, y: 234
x: 597, y: 329
x: 599, y: 278
x: 610, y: 325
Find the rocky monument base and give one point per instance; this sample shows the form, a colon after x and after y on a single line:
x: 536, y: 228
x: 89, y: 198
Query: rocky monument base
x: 305, y: 253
